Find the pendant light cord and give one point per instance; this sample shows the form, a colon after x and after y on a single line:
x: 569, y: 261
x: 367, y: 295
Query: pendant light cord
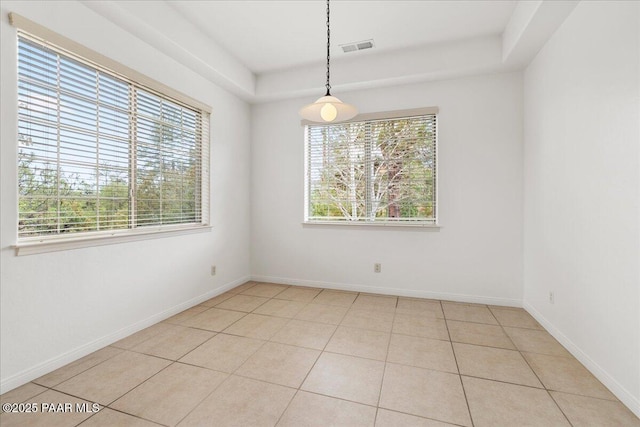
x: 328, y: 86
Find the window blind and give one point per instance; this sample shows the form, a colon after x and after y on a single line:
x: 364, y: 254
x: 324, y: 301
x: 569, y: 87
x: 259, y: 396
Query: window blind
x: 97, y: 151
x: 381, y: 170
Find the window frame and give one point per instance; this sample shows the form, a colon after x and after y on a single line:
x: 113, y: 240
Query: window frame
x: 433, y: 225
x: 55, y: 242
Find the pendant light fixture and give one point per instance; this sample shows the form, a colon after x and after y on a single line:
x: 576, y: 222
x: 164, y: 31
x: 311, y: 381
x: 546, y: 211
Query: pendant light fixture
x: 328, y: 109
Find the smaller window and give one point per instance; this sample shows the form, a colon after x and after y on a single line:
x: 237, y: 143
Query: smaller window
x: 373, y: 170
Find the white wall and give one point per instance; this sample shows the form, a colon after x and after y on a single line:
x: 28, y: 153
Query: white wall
x: 476, y: 255
x: 59, y: 306
x: 581, y: 210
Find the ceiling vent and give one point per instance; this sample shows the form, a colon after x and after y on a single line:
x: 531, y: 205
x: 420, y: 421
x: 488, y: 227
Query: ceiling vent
x: 353, y: 47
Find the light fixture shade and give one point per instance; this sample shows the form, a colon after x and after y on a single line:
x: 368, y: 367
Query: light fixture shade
x: 328, y: 109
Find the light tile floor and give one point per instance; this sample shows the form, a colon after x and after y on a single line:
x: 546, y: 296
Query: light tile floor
x: 264, y: 355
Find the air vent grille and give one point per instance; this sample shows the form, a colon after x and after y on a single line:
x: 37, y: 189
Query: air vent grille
x: 355, y: 46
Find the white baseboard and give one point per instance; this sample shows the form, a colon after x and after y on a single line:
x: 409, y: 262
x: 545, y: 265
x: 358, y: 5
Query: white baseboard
x: 414, y: 293
x: 632, y: 402
x: 54, y: 363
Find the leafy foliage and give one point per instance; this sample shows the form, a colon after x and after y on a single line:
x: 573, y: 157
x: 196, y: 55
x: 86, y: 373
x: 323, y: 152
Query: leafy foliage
x: 372, y: 171
x: 96, y: 152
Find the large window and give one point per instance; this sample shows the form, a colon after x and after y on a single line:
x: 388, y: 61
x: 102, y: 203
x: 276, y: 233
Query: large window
x: 99, y: 152
x: 379, y: 170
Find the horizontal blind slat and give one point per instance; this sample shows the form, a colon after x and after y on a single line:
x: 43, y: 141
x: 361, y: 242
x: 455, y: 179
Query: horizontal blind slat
x: 376, y: 170
x: 75, y: 150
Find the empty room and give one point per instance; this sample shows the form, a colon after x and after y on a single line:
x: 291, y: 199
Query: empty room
x: 320, y: 213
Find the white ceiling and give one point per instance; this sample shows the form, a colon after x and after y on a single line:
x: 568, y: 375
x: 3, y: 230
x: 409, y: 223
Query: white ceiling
x: 267, y: 50
x: 275, y: 35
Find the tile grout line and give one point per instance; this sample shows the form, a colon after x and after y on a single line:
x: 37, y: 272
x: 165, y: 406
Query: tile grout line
x: 204, y: 398
x: 324, y: 350
x: 299, y: 388
x: 125, y: 413
x: 558, y: 405
x: 464, y: 391
x: 544, y: 386
x: 502, y: 382
x: 386, y: 358
x: 229, y: 374
x: 514, y: 344
x: 129, y: 390
x: 530, y: 367
x: 34, y: 396
x: 138, y: 385
x: 75, y: 375
x: 218, y: 332
x: 375, y: 407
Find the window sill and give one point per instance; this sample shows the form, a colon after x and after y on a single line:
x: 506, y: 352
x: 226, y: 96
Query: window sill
x: 407, y: 225
x: 44, y: 245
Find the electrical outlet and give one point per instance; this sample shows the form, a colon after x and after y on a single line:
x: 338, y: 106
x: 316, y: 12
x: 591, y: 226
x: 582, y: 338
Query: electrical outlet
x: 377, y: 268
x: 213, y: 270
x: 551, y: 298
